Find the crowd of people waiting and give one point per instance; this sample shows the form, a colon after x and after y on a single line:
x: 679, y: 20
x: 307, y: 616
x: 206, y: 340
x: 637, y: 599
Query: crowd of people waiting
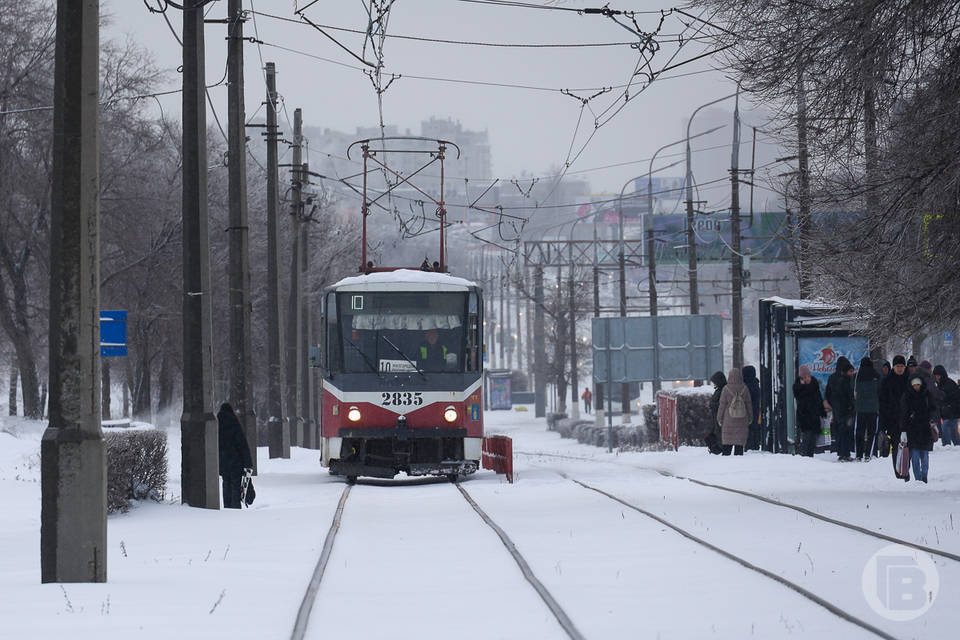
x: 871, y: 412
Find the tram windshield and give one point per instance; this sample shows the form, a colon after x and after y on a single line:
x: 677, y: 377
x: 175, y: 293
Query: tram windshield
x: 402, y: 332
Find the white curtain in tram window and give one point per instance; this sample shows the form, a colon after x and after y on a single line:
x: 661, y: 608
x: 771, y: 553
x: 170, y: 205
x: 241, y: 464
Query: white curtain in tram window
x: 405, y: 321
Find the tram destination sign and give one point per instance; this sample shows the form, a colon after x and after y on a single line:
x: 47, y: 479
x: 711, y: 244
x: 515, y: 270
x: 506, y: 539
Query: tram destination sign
x: 657, y: 348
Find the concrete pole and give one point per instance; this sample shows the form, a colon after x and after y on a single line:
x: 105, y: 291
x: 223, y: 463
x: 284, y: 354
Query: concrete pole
x: 597, y: 386
x: 241, y: 357
x: 539, y: 347
x: 624, y: 387
x: 310, y: 439
x: 736, y: 259
x: 279, y: 436
x: 294, y: 334
x: 73, y: 469
x: 199, y: 439
x: 572, y: 310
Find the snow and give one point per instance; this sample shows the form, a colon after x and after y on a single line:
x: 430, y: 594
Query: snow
x: 413, y: 560
x: 802, y: 304
x: 405, y: 276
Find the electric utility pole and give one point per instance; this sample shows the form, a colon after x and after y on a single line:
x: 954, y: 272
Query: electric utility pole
x: 539, y: 348
x: 294, y: 336
x: 310, y: 440
x: 199, y: 441
x: 279, y: 435
x: 736, y: 260
x: 241, y: 358
x: 73, y: 466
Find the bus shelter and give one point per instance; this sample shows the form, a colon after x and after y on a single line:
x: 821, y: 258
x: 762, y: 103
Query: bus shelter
x: 795, y: 333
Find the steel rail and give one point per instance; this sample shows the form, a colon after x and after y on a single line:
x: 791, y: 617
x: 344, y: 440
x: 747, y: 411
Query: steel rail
x: 303, y: 615
x: 541, y: 590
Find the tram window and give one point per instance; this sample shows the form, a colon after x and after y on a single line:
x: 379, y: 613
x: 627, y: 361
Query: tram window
x: 401, y: 332
x: 473, y: 333
x: 332, y: 348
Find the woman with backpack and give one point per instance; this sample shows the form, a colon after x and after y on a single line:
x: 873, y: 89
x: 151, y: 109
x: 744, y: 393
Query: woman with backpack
x: 735, y: 413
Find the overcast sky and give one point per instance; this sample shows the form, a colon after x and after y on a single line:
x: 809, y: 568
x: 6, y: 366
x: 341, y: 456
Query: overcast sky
x: 534, y: 130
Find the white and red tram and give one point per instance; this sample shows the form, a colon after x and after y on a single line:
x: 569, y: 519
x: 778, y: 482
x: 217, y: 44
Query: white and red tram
x: 402, y: 373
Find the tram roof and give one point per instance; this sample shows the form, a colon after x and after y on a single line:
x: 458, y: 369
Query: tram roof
x: 408, y: 279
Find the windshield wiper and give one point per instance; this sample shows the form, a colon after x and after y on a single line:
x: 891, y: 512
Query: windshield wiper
x: 404, y: 356
x: 363, y: 355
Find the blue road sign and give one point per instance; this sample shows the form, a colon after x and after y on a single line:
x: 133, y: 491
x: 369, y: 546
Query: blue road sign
x: 113, y: 334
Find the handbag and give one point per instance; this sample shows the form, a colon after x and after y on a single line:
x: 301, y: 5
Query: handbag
x: 713, y: 443
x: 934, y: 433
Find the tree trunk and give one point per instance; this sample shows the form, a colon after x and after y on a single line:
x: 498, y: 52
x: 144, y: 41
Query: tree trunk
x: 105, y: 388
x: 165, y: 381
x: 12, y: 398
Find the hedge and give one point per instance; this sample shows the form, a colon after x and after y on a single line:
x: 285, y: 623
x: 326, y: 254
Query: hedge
x: 136, y: 468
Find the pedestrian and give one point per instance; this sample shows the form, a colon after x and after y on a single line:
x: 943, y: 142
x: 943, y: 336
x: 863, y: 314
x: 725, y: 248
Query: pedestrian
x: 867, y: 403
x: 235, y: 459
x: 925, y: 371
x: 754, y: 434
x: 916, y: 416
x: 809, y: 402
x: 734, y: 413
x: 839, y: 399
x: 712, y: 434
x: 587, y: 396
x: 950, y: 409
x: 884, y: 369
x: 891, y: 393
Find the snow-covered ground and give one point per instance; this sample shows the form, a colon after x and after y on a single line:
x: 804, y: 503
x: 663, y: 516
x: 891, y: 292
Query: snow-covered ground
x: 414, y: 560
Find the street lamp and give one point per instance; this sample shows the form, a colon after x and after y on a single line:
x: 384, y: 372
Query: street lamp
x: 691, y: 240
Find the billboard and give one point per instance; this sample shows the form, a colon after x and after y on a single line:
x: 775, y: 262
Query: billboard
x: 649, y: 348
x: 821, y: 353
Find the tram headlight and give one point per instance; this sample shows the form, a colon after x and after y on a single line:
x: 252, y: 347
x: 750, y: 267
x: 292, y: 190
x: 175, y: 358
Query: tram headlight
x: 353, y: 415
x: 450, y: 414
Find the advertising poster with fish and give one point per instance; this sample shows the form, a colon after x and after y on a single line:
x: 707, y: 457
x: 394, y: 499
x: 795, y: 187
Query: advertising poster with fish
x: 821, y: 353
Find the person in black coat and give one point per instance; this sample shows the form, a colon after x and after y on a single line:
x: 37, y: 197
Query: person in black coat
x: 806, y: 392
x: 950, y: 408
x: 754, y: 435
x: 916, y: 414
x: 719, y: 381
x: 891, y: 393
x: 235, y: 457
x: 867, y: 399
x: 839, y: 398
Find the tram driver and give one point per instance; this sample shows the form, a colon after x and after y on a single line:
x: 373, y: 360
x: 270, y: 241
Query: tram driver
x: 433, y: 355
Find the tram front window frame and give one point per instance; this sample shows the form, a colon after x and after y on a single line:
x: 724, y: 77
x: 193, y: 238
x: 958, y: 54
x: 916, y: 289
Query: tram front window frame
x: 387, y: 332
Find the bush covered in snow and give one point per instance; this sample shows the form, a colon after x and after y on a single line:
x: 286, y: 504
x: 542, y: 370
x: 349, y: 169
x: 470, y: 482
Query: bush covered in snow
x: 136, y: 467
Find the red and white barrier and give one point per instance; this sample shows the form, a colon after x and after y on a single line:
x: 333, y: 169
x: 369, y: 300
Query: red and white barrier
x: 667, y: 408
x: 498, y: 455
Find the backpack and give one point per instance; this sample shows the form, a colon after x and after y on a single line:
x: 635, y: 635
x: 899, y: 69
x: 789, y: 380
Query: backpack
x: 738, y: 406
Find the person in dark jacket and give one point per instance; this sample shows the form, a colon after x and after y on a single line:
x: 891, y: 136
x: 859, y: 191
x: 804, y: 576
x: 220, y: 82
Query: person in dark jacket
x: 806, y: 392
x: 839, y: 399
x: 867, y: 402
x: 950, y: 409
x: 884, y: 369
x: 235, y: 459
x: 916, y: 415
x: 891, y: 392
x: 925, y: 371
x: 719, y: 382
x: 754, y: 434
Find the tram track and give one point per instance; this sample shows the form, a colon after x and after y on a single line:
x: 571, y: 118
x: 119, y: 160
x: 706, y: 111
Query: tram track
x: 312, y: 592
x: 806, y: 593
x: 761, y: 498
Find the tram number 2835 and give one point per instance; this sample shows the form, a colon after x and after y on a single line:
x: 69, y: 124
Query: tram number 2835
x: 401, y: 399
